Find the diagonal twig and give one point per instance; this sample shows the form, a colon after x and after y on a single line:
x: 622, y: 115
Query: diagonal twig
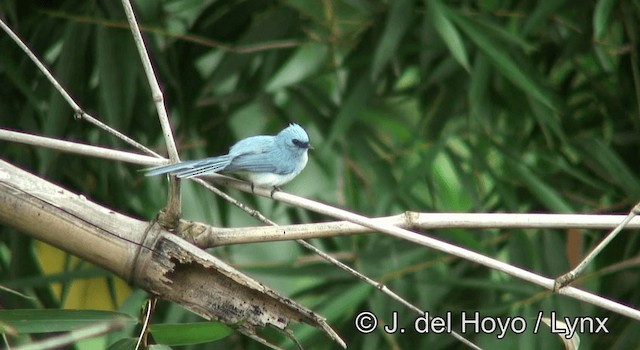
x: 570, y: 276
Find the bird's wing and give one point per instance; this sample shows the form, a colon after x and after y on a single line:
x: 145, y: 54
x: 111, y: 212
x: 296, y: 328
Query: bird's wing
x: 193, y: 167
x: 254, y: 162
x: 253, y: 154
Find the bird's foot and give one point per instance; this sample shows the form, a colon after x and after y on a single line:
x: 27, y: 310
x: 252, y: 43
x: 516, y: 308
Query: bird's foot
x: 275, y: 188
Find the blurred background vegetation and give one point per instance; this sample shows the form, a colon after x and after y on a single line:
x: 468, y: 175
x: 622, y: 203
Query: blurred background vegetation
x: 431, y: 106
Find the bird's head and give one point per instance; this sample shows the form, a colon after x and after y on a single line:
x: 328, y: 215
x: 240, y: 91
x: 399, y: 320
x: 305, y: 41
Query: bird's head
x: 296, y: 137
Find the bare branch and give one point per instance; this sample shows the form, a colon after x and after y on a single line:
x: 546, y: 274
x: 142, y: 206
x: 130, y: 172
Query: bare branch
x: 173, y: 211
x: 208, y: 236
x: 156, y: 93
x: 79, y: 148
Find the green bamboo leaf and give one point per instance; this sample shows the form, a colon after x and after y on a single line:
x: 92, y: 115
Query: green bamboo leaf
x: 548, y: 121
x: 610, y: 165
x: 269, y: 27
x: 448, y: 185
x: 448, y: 32
x: 352, y: 109
x: 71, y: 70
x: 311, y: 9
x: 604, y: 58
x: 539, y: 189
x: 398, y: 21
x: 510, y: 37
x: 499, y: 57
x: 50, y: 320
x: 305, y: 62
x: 62, y: 277
x: 159, y: 347
x: 124, y: 344
x: 18, y: 82
x: 479, y: 83
x: 118, y: 75
x: 189, y: 333
x: 601, y: 15
x: 543, y: 12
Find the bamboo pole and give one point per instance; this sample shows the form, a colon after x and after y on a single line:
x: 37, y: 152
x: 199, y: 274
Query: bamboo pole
x: 146, y: 255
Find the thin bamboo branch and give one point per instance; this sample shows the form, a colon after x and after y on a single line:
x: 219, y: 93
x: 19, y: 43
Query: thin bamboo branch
x: 208, y: 236
x: 156, y: 92
x: 79, y: 113
x: 147, y: 313
x: 79, y: 148
x: 173, y: 211
x: 577, y: 271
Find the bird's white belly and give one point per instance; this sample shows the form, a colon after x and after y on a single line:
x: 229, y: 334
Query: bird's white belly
x: 271, y: 179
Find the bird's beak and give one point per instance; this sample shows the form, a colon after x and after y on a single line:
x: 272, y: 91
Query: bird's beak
x: 309, y: 146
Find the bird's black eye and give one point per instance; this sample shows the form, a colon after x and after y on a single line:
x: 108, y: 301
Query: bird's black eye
x: 300, y: 143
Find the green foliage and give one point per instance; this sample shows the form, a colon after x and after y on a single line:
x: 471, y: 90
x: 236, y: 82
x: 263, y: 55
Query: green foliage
x: 489, y: 106
x: 39, y: 321
x: 189, y: 333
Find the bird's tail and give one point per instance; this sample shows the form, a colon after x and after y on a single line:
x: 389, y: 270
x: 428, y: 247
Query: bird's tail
x: 192, y: 168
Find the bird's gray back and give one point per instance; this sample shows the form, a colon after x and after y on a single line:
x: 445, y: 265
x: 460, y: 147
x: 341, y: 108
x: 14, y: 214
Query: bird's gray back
x: 261, y: 154
x: 254, y: 144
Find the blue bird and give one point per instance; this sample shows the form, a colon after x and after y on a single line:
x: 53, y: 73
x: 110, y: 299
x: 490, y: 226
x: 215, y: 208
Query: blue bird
x: 266, y: 161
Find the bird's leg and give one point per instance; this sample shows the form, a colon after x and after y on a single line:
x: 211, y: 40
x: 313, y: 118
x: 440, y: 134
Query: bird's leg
x: 275, y: 188
x: 252, y: 188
